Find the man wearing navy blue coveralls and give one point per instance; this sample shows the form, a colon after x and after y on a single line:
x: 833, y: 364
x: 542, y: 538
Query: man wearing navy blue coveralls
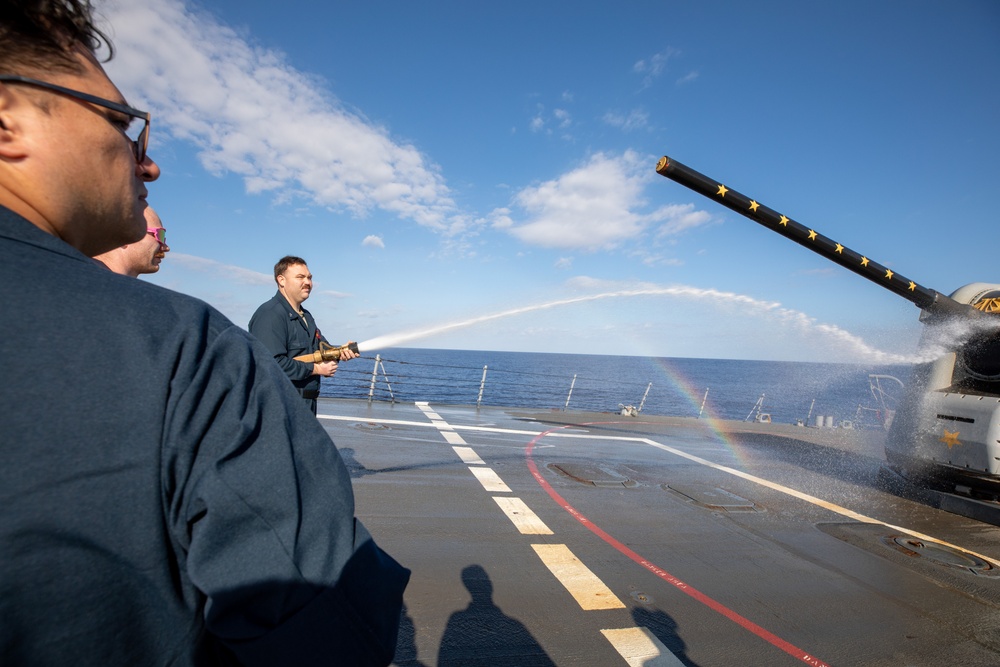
x: 288, y: 330
x: 165, y: 496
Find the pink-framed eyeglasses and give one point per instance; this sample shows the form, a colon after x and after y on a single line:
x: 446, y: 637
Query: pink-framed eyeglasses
x: 158, y: 233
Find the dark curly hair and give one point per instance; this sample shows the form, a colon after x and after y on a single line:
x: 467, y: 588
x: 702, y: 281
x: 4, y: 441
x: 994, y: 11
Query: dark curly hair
x: 39, y: 35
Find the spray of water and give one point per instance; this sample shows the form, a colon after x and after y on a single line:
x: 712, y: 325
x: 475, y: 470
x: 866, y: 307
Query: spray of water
x: 786, y: 315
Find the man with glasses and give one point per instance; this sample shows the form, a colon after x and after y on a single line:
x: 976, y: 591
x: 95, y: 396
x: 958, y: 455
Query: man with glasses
x: 143, y: 256
x: 165, y: 496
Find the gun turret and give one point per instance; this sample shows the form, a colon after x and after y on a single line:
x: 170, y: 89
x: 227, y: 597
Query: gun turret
x: 946, y: 437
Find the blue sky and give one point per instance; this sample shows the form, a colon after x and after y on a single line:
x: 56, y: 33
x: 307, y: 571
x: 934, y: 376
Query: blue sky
x: 444, y: 162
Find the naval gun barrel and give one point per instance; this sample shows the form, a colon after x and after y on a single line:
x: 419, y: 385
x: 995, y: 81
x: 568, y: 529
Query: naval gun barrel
x: 931, y: 301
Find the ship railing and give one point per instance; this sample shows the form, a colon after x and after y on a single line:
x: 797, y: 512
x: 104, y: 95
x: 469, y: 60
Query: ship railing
x: 394, y: 380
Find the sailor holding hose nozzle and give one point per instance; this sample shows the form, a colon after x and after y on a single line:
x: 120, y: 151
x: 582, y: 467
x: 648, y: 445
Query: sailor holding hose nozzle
x: 289, y: 331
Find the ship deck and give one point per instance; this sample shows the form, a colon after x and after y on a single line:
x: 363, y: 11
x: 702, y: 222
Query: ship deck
x: 571, y: 538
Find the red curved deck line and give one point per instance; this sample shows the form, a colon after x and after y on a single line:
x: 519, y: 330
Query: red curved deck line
x: 716, y: 606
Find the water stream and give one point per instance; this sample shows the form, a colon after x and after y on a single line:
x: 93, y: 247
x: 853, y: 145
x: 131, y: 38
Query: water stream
x: 787, y: 316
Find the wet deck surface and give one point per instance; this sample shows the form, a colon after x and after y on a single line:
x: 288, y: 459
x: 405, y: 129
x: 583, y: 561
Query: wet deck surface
x: 561, y: 538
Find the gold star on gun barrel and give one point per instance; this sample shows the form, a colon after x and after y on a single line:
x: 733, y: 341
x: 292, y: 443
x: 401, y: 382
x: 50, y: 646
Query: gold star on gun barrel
x: 950, y: 439
x: 753, y: 206
x: 864, y: 261
x: 888, y: 274
x: 812, y: 235
x: 913, y: 286
x: 722, y: 190
x: 783, y: 222
x: 840, y: 249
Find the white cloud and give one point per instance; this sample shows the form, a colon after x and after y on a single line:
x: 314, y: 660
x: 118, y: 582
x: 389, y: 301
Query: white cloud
x: 333, y: 293
x: 235, y: 273
x: 654, y: 66
x: 373, y: 241
x: 678, y: 218
x: 655, y: 259
x: 564, y: 263
x: 596, y: 206
x: 688, y: 78
x: 500, y: 218
x: 251, y: 113
x: 634, y: 120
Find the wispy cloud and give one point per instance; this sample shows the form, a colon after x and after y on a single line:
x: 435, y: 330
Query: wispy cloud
x: 655, y: 259
x: 677, y: 218
x: 545, y: 121
x: 633, y: 120
x: 651, y: 68
x: 688, y: 78
x: 596, y: 206
x: 233, y: 273
x: 373, y: 241
x: 251, y: 113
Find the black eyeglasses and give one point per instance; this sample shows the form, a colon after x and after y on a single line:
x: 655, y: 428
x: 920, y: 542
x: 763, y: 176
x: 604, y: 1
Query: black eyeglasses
x: 139, y: 143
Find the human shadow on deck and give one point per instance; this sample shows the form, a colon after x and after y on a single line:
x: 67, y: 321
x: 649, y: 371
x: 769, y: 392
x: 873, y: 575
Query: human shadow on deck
x: 481, y: 634
x: 406, y: 646
x: 665, y: 629
x: 357, y: 469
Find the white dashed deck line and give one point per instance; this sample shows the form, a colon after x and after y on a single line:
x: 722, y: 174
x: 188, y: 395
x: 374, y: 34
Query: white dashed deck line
x: 453, y: 438
x: 585, y: 587
x: 490, y: 480
x: 521, y: 516
x: 468, y: 456
x: 641, y: 648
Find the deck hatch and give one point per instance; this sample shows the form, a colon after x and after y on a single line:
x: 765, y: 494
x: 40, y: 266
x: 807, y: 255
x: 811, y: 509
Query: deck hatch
x: 712, y: 497
x: 593, y: 474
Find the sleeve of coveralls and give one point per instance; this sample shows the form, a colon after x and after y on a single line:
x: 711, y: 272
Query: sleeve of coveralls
x: 271, y: 329
x: 262, y: 504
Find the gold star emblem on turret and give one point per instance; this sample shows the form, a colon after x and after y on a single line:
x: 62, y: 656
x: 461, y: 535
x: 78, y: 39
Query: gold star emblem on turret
x: 840, y: 249
x: 888, y: 274
x: 783, y: 222
x: 950, y: 439
x: 864, y: 261
x: 753, y: 206
x: 722, y: 190
x: 812, y: 235
x: 913, y: 286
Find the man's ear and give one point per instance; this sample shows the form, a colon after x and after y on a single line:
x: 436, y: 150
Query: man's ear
x: 12, y: 144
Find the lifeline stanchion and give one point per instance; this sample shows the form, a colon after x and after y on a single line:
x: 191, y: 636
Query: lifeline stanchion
x: 482, y: 385
x: 643, y: 401
x: 379, y: 364
x: 570, y: 394
x: 371, y: 389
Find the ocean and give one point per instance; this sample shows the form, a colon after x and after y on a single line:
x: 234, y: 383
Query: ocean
x: 736, y: 389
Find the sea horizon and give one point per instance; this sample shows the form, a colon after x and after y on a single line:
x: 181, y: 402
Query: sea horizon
x: 785, y: 391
